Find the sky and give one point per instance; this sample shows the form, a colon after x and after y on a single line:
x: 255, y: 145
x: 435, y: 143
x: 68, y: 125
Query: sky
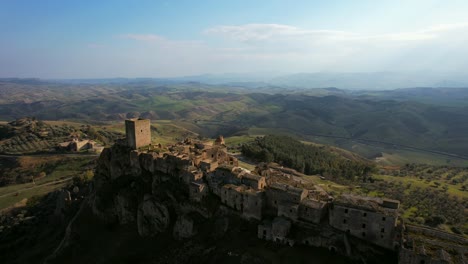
x: 106, y: 39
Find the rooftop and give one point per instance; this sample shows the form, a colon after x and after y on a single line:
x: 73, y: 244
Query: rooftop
x: 313, y: 203
x: 286, y: 188
x: 372, y: 204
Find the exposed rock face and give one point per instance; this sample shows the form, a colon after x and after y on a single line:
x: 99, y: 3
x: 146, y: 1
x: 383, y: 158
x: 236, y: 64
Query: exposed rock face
x: 147, y: 191
x: 220, y: 227
x: 124, y: 209
x: 183, y: 227
x: 62, y: 197
x: 153, y: 217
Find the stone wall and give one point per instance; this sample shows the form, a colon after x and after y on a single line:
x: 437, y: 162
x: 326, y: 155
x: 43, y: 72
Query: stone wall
x: 430, y: 232
x: 279, y: 194
x: 253, y: 204
x: 375, y: 227
x: 313, y: 211
x: 288, y: 210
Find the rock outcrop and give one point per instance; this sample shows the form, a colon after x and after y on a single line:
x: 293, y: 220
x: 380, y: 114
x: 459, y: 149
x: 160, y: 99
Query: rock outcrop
x: 183, y: 227
x: 153, y: 217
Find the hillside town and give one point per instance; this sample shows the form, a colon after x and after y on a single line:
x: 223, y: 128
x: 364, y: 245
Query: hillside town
x: 278, y: 200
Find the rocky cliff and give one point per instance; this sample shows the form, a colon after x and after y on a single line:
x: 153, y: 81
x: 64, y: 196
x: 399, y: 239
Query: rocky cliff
x: 131, y: 191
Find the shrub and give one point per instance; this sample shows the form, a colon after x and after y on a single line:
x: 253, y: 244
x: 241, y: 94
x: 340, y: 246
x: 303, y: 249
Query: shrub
x: 435, y: 220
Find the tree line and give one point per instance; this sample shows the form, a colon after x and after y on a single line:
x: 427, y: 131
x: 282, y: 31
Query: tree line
x: 307, y: 159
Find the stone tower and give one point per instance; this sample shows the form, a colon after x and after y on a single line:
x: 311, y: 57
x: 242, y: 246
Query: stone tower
x: 138, y: 132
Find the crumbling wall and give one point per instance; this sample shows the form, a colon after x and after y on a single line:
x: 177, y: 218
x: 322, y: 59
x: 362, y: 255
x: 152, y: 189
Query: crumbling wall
x: 252, y: 205
x: 288, y: 210
x: 375, y: 227
x: 231, y: 197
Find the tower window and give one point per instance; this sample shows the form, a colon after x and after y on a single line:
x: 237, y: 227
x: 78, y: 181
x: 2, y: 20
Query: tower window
x: 363, y: 225
x: 346, y: 211
x: 364, y: 214
x: 383, y: 218
x: 344, y: 221
x: 363, y: 234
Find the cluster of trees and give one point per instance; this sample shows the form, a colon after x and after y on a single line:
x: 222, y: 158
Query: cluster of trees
x: 426, y: 206
x: 442, y: 176
x: 308, y: 159
x: 104, y: 136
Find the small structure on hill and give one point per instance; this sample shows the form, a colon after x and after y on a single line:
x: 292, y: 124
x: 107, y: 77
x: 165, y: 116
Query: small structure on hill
x: 78, y: 145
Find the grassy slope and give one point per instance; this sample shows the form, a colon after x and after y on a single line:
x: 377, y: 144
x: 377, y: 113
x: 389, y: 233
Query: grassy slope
x: 60, y: 176
x: 453, y: 189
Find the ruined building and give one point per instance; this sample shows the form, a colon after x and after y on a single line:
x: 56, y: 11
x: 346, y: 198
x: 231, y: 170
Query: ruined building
x: 286, y: 211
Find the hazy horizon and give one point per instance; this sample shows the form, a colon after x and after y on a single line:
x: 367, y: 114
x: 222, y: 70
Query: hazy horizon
x: 108, y: 39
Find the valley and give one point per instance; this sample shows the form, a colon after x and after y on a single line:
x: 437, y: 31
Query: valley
x: 407, y: 144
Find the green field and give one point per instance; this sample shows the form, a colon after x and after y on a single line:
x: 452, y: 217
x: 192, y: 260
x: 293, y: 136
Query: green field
x: 452, y: 189
x: 20, y: 194
x: 61, y: 175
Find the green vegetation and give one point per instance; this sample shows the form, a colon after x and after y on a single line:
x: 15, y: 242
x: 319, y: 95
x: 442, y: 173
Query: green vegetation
x: 308, y: 159
x: 427, y: 193
x: 20, y: 196
x: 56, y: 171
x: 40, y: 168
x: 430, y: 119
x: 29, y: 135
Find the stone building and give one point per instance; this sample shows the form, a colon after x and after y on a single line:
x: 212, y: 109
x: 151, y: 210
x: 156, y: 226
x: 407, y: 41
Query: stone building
x: 371, y: 219
x: 231, y: 195
x: 313, y: 210
x: 138, y: 132
x: 244, y: 199
x: 253, y: 204
x: 78, y: 145
x: 283, y: 199
x: 276, y: 230
x: 256, y: 182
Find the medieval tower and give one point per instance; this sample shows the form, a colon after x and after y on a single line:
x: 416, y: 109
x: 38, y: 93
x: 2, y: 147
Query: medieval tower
x: 138, y: 132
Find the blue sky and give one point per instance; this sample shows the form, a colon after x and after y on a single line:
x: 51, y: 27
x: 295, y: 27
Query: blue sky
x: 100, y: 39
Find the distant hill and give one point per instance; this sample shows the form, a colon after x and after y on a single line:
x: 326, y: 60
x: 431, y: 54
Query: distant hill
x: 428, y: 118
x: 370, y: 81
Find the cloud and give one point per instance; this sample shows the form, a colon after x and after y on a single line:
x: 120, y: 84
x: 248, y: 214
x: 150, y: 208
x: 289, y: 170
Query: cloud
x: 276, y: 32
x: 446, y: 27
x: 276, y: 47
x: 251, y: 32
